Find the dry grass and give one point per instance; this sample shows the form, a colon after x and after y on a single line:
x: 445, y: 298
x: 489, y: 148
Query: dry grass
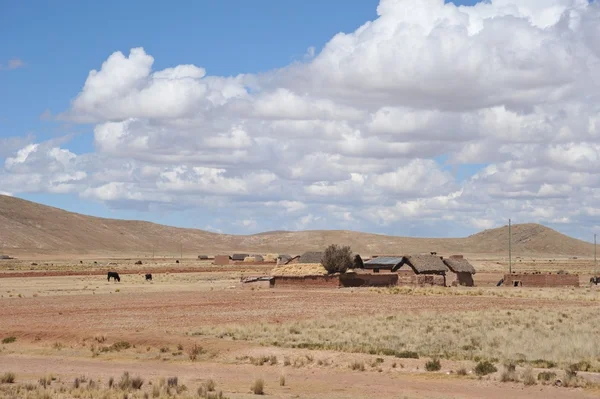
x: 299, y: 269
x: 539, y: 336
x: 571, y: 294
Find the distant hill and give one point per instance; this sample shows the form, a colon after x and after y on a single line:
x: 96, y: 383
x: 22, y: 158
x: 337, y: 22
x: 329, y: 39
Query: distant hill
x: 27, y: 227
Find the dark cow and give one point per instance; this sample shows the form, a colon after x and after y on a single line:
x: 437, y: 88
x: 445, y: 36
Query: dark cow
x: 595, y: 280
x: 148, y: 277
x: 114, y: 275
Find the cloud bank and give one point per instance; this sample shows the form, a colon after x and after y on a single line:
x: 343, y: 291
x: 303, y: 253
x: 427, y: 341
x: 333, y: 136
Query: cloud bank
x: 430, y: 115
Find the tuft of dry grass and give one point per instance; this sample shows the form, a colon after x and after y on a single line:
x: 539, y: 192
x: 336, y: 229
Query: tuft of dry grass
x: 9, y: 340
x: 7, y: 378
x: 258, y: 388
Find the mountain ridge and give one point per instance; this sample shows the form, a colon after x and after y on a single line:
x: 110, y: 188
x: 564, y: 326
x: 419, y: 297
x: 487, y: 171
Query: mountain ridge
x: 29, y: 227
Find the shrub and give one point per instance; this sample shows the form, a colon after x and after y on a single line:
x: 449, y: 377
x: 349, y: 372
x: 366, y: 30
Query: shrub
x: 7, y: 378
x: 433, y: 365
x: 9, y: 340
x: 407, y: 355
x: 258, y: 388
x: 337, y: 259
x: 172, y: 382
x: 137, y: 382
x: 210, y: 385
x: 121, y: 345
x: 485, y: 368
x: 111, y: 382
x: 528, y: 378
x: 45, y: 381
x: 356, y: 365
x: 546, y: 376
x: 194, y: 351
x: 282, y: 380
x: 125, y: 381
x: 462, y: 371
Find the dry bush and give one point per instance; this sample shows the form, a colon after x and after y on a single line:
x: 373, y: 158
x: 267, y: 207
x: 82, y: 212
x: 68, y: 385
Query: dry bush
x: 528, y: 377
x: 484, y: 368
x: 195, y: 351
x: 7, y: 378
x: 462, y: 371
x: 258, y: 388
x: 137, y: 382
x: 546, y: 376
x: 172, y: 382
x: 9, y: 340
x: 433, y: 365
x: 509, y: 374
x: 357, y: 366
x: 282, y: 380
x: 210, y: 385
x: 337, y: 259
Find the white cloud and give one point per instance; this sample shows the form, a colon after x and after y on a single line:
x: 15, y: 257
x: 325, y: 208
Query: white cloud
x: 380, y: 128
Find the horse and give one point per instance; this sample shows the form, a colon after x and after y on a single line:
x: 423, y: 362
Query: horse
x: 114, y: 275
x: 148, y: 277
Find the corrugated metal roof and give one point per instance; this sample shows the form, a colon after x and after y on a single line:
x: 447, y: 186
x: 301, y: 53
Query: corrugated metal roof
x: 385, y: 261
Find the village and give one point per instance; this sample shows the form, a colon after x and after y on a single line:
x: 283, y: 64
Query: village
x: 308, y: 270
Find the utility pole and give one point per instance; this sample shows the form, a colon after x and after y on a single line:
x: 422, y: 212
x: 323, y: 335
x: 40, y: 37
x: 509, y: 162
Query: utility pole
x: 595, y: 264
x: 509, y: 249
x: 181, y: 252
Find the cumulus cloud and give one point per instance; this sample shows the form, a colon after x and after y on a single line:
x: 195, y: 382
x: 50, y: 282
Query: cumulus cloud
x: 431, y: 113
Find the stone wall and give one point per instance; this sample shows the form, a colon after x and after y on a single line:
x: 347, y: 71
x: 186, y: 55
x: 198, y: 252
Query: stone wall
x: 541, y: 280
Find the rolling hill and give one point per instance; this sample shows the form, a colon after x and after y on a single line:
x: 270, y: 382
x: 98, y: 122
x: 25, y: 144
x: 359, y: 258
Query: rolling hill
x: 30, y: 228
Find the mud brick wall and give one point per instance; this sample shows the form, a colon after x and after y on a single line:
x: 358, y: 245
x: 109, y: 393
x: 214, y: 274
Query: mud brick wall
x: 306, y: 281
x: 221, y: 260
x: 408, y: 277
x: 369, y: 280
x: 465, y: 279
x: 542, y: 280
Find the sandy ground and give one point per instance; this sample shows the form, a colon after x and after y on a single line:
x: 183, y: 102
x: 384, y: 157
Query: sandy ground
x: 58, y: 319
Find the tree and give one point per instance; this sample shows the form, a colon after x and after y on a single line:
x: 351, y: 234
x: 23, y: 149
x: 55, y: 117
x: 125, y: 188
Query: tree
x: 337, y: 259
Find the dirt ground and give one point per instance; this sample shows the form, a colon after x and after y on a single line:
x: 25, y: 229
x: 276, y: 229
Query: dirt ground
x: 61, y: 321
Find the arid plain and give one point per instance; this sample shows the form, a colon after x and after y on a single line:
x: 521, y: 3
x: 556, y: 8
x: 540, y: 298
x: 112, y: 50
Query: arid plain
x: 196, y: 330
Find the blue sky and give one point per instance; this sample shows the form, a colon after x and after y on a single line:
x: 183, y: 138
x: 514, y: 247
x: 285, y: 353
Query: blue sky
x: 60, y: 43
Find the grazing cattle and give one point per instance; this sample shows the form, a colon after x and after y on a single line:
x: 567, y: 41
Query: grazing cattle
x: 114, y: 275
x: 595, y: 280
x: 148, y: 277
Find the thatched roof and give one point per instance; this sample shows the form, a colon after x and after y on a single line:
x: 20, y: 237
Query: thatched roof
x: 311, y: 257
x: 459, y: 265
x: 284, y: 257
x: 299, y: 269
x: 258, y: 258
x: 425, y: 263
x: 239, y: 257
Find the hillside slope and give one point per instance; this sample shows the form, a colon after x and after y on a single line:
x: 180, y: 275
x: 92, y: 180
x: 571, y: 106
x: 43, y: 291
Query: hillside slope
x: 27, y: 227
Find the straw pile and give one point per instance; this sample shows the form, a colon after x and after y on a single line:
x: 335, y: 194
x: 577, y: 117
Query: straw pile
x: 250, y: 259
x: 271, y: 257
x: 299, y: 269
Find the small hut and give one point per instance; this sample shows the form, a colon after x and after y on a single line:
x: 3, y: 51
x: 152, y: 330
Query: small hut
x: 239, y: 257
x: 463, y: 270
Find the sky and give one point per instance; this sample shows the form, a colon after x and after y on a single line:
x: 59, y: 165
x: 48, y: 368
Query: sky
x: 402, y: 117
